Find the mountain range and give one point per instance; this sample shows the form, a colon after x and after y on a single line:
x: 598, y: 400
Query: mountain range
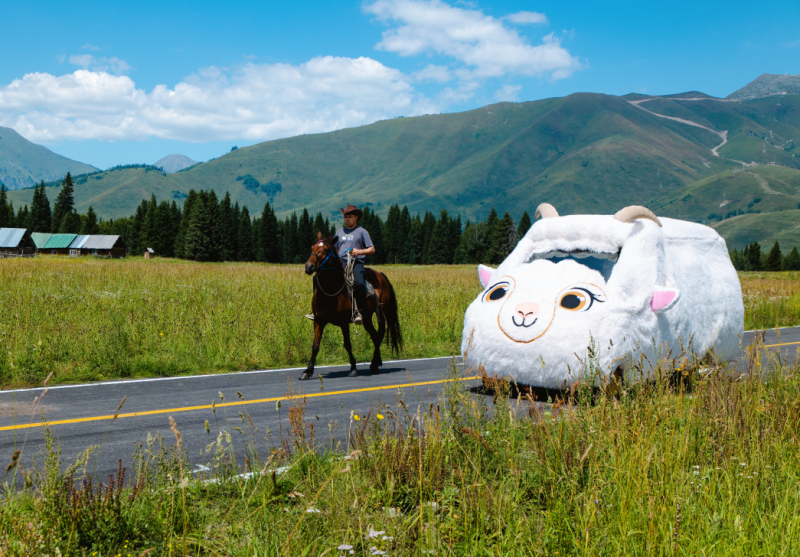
x: 24, y: 164
x: 727, y: 162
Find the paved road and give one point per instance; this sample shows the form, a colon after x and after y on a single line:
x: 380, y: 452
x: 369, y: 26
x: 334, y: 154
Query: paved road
x: 80, y: 416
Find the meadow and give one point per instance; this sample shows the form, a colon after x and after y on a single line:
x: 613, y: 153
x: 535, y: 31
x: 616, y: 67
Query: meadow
x: 91, y: 319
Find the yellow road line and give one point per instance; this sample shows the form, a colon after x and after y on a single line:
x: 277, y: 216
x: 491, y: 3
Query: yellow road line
x: 782, y: 344
x: 225, y: 404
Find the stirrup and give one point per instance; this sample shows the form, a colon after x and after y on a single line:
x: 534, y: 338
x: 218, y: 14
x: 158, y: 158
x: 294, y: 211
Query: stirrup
x: 358, y: 319
x: 310, y: 316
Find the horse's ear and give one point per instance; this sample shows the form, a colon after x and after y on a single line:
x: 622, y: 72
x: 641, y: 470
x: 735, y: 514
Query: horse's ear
x: 319, y: 235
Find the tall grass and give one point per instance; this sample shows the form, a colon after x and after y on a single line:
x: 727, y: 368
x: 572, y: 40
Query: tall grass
x: 771, y: 299
x: 87, y: 319
x: 652, y: 472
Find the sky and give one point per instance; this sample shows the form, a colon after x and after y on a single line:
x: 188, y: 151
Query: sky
x: 110, y: 83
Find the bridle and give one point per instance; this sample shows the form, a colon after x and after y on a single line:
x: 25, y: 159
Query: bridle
x: 321, y: 267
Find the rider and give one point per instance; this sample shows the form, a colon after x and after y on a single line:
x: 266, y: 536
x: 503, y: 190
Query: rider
x: 353, y: 238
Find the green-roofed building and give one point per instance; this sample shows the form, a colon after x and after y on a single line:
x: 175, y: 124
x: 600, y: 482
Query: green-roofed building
x: 40, y: 239
x: 58, y: 244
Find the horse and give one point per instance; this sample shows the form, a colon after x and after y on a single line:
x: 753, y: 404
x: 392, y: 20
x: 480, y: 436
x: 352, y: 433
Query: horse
x: 331, y: 305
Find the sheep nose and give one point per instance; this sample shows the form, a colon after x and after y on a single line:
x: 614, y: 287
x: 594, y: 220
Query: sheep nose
x: 526, y: 309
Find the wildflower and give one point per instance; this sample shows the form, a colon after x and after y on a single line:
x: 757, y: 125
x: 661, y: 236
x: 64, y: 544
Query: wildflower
x: 312, y: 510
x: 356, y: 417
x: 379, y: 416
x: 345, y: 547
x: 161, y: 334
x: 374, y: 534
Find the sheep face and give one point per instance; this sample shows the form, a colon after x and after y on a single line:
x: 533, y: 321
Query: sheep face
x: 523, y: 314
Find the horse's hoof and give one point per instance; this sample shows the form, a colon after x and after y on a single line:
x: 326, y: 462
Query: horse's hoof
x: 306, y: 376
x: 353, y: 373
x: 374, y: 369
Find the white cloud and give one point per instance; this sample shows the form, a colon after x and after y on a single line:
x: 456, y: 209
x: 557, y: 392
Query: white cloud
x: 508, y: 93
x: 254, y: 101
x: 481, y: 42
x: 527, y: 18
x: 88, y: 46
x: 113, y: 64
x: 439, y: 74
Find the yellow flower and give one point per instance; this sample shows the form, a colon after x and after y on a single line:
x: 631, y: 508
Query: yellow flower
x: 356, y: 417
x: 161, y: 334
x: 380, y: 416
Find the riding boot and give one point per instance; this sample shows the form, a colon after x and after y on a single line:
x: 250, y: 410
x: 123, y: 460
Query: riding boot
x: 361, y: 302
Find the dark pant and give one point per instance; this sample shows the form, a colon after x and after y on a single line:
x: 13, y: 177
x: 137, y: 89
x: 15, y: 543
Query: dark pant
x: 359, y: 289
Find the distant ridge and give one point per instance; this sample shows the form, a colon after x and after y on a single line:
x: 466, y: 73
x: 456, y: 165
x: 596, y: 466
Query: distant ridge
x: 768, y: 84
x: 174, y: 163
x: 24, y: 164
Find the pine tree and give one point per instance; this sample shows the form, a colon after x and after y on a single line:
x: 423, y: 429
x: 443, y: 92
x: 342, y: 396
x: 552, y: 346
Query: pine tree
x: 524, y: 225
x: 5, y: 220
x: 64, y: 205
x: 305, y: 232
x: 246, y: 251
x: 228, y: 230
x: 428, y: 226
x: 439, y: 246
x: 198, y: 242
x: 406, y: 242
x: 792, y: 261
x: 22, y: 217
x: 39, y: 217
x: 186, y: 217
x: 70, y: 223
x: 149, y: 231
x: 319, y: 226
x: 90, y: 226
x: 754, y: 257
x: 290, y: 242
x: 213, y: 231
x: 271, y: 250
x: 503, y: 236
x: 775, y: 258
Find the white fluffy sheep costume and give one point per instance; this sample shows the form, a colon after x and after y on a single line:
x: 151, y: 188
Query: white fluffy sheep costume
x: 633, y: 284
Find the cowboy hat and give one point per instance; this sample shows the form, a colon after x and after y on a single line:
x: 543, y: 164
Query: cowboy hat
x: 351, y: 209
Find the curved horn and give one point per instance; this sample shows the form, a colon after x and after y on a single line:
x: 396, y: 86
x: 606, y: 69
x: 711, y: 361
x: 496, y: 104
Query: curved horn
x: 634, y: 212
x: 546, y: 211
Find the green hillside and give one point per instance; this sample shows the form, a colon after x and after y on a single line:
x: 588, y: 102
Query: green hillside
x: 584, y: 152
x: 24, y: 164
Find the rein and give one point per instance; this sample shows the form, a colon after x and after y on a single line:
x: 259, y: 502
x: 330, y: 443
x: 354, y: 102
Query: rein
x: 321, y: 267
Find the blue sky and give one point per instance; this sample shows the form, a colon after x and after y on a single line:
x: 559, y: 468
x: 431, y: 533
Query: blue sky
x: 120, y: 82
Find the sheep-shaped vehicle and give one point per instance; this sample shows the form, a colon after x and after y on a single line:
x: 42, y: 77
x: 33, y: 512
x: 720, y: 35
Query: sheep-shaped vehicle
x: 627, y: 289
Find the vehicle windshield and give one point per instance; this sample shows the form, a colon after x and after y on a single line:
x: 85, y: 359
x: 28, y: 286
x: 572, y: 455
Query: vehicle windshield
x: 603, y: 263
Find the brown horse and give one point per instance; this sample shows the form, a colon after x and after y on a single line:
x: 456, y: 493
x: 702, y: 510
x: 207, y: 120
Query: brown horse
x: 331, y: 305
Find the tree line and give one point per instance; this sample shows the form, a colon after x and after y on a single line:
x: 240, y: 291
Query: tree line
x: 207, y: 228
x: 751, y: 258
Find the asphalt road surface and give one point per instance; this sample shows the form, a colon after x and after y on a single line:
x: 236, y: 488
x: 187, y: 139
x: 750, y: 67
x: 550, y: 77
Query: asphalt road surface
x: 80, y: 416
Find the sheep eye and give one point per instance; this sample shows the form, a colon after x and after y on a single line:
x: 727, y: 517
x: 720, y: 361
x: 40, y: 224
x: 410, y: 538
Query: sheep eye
x: 573, y: 301
x: 578, y: 299
x: 498, y: 292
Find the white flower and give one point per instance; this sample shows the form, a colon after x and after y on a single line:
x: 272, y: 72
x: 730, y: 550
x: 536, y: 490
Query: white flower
x: 312, y: 510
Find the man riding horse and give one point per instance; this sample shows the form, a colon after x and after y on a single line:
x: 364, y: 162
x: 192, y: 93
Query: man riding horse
x: 354, y: 239
x: 332, y: 302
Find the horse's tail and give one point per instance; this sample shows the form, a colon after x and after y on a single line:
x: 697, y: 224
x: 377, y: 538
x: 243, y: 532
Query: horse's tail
x: 395, y: 336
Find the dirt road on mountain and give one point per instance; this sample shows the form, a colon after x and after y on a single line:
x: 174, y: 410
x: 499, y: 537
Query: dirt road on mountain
x: 723, y: 134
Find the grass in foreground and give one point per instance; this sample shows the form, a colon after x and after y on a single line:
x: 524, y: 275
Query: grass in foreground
x: 86, y: 319
x: 654, y: 472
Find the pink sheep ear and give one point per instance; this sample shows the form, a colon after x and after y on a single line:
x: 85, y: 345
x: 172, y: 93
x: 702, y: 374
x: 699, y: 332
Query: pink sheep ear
x: 664, y: 298
x: 485, y: 275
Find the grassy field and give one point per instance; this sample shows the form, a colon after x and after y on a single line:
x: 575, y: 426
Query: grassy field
x: 89, y: 319
x: 653, y: 472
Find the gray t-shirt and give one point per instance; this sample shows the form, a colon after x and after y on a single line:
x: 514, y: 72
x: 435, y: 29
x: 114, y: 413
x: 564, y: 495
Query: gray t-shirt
x: 348, y: 238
